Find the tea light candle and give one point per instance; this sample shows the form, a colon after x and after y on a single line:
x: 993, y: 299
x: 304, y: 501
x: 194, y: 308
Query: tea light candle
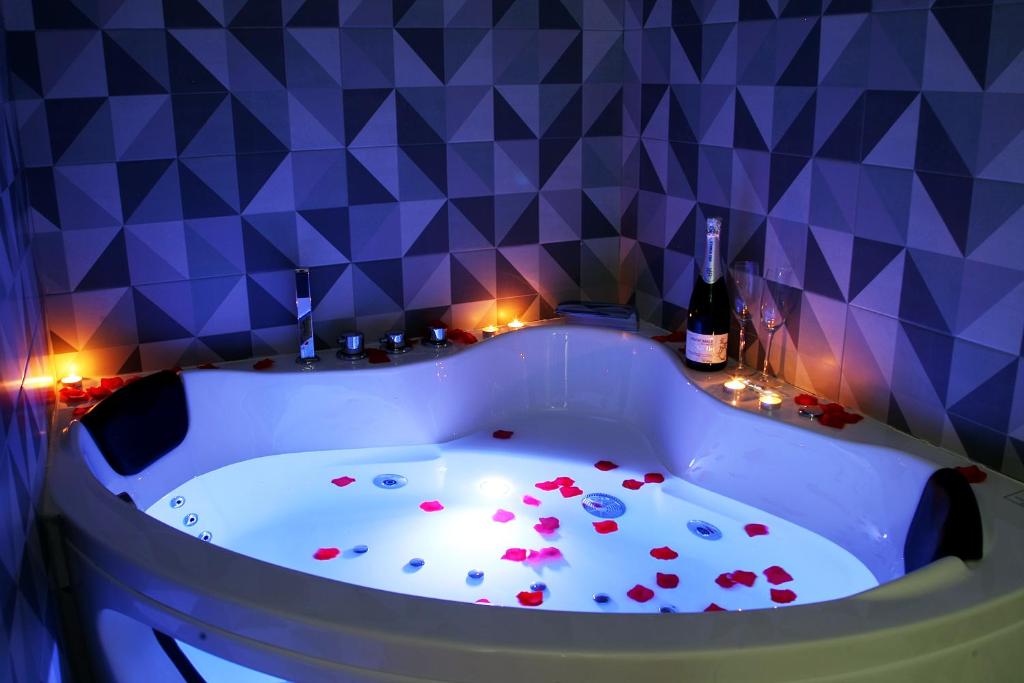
x: 72, y: 380
x: 515, y: 324
x: 489, y: 331
x: 734, y: 386
x: 769, y: 400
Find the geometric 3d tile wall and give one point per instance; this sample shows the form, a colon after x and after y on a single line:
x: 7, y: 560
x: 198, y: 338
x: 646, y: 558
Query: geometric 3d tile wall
x: 877, y: 153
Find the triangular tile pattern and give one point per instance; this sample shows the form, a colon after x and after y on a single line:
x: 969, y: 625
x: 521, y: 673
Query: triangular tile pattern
x: 878, y: 155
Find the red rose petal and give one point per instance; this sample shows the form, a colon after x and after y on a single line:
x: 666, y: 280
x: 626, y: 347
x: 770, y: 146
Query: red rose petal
x: 654, y: 478
x: 111, y: 383
x: 606, y: 526
x: 744, y: 577
x: 80, y: 411
x: 69, y: 395
x: 326, y: 554
x: 605, y: 465
x: 515, y: 554
x: 565, y: 481
x: 725, y: 580
x: 377, y: 356
x: 550, y: 553
x: 834, y: 420
x: 342, y: 481
x: 676, y: 336
x: 483, y: 601
x: 805, y: 400
x: 714, y: 608
x: 530, y: 598
x: 263, y: 364
x: 852, y: 418
x: 640, y: 593
x: 530, y: 500
x: 783, y: 596
x: 756, y: 530
x: 546, y: 485
x: 667, y: 580
x: 206, y: 366
x: 133, y: 378
x: 833, y: 408
x: 547, y: 525
x: 502, y: 434
x: 632, y: 484
x: 98, y: 393
x: 462, y: 336
x: 664, y: 553
x: 570, y: 491
x: 776, y: 575
x: 973, y: 474
x: 431, y: 506
x: 503, y: 516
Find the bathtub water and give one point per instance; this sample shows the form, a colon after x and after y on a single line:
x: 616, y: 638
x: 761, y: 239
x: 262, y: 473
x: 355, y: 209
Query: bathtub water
x: 284, y: 508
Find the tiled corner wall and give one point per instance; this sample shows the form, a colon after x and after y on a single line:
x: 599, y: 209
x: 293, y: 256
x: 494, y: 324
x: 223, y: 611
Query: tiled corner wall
x: 876, y: 147
x: 458, y: 160
x: 26, y: 615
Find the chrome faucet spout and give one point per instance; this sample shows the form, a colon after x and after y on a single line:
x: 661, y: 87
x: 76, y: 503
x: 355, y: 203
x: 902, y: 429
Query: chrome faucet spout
x: 304, y: 308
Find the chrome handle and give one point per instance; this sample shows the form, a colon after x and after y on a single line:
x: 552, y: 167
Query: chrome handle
x: 394, y: 342
x: 352, y: 345
x: 437, y: 335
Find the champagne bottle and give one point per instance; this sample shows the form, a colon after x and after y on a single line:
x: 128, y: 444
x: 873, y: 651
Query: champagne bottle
x: 707, y: 322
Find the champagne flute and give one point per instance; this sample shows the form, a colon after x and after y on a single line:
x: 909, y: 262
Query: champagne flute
x: 744, y: 276
x: 777, y: 302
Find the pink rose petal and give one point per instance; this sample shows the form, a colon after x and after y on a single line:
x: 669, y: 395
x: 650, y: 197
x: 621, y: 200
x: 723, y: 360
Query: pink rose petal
x: 640, y: 593
x: 783, y: 596
x: 483, y: 601
x: 547, y: 525
x: 776, y: 575
x: 756, y: 530
x: 326, y: 554
x: 570, y: 491
x: 664, y: 553
x: 431, y: 506
x: 503, y: 516
x: 605, y: 465
x: 550, y: 553
x: 546, y: 485
x: 342, y: 481
x: 530, y: 500
x: 565, y: 481
x: 515, y: 554
x: 606, y: 527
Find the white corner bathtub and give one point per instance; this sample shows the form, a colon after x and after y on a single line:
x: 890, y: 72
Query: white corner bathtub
x: 364, y: 522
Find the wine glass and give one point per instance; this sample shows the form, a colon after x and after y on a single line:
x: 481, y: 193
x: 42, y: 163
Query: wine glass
x: 744, y: 276
x: 777, y: 302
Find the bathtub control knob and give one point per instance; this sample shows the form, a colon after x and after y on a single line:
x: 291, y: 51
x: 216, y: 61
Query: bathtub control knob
x: 351, y: 344
x: 394, y: 342
x: 437, y: 336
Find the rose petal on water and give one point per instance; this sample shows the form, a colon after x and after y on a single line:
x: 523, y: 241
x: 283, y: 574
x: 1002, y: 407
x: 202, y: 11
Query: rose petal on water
x: 530, y: 598
x: 503, y: 516
x: 326, y: 554
x: 530, y: 500
x: 431, y: 506
x: 654, y: 478
x: 714, y: 608
x: 667, y: 580
x: 756, y: 530
x: 783, y: 595
x: 515, y: 554
x: 744, y: 577
x: 640, y: 593
x: 606, y: 526
x: 632, y: 484
x: 263, y: 364
x: 973, y: 474
x: 776, y: 575
x: 502, y: 434
x: 664, y: 553
x: 605, y: 465
x: 725, y: 580
x: 570, y: 491
x: 546, y: 485
x: 342, y: 481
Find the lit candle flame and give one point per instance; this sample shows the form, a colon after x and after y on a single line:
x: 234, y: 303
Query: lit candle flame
x: 515, y: 324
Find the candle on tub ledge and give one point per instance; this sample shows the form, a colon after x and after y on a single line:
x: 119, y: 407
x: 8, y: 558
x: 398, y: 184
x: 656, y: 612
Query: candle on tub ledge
x: 516, y: 324
x: 734, y: 387
x: 489, y: 331
x: 769, y: 400
x: 71, y: 380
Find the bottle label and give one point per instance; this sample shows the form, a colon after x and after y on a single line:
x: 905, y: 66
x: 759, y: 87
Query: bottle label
x: 708, y: 349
